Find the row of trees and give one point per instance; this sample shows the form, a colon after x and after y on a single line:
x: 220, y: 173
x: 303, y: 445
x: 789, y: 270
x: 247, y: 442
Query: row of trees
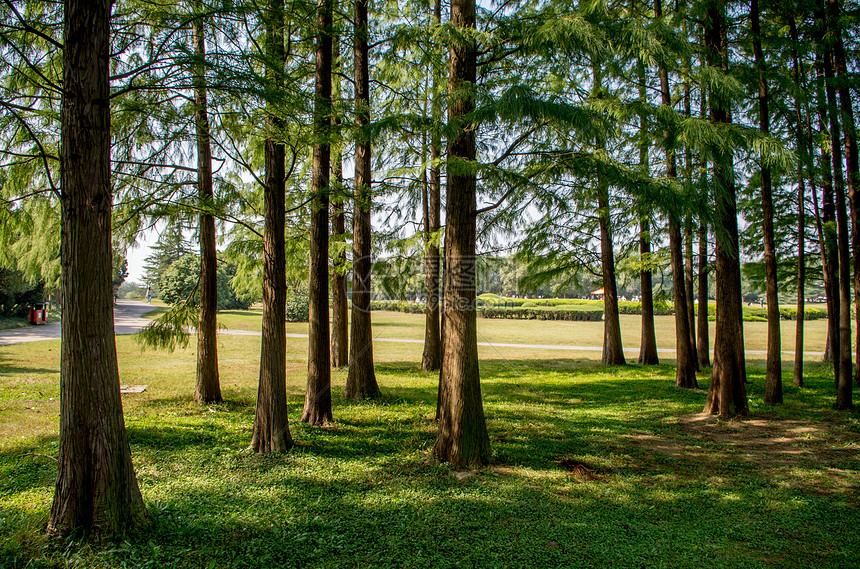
x: 557, y: 114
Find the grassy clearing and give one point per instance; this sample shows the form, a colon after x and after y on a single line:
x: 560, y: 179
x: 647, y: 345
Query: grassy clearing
x: 593, y: 467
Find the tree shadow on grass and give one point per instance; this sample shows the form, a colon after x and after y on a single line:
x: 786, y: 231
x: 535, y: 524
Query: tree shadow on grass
x: 379, y: 517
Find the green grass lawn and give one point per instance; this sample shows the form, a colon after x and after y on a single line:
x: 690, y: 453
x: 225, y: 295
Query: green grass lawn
x: 593, y: 466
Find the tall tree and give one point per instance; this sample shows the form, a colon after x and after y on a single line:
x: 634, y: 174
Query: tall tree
x: 361, y: 380
x: 317, y: 410
x: 339, y: 303
x: 613, y: 350
x: 96, y: 488
x: 648, y: 342
x: 271, y: 425
x: 842, y: 353
x: 431, y: 359
x: 461, y: 438
x: 208, y: 385
x: 685, y: 375
x: 852, y: 163
x: 773, y: 373
x: 703, y: 344
x: 726, y: 392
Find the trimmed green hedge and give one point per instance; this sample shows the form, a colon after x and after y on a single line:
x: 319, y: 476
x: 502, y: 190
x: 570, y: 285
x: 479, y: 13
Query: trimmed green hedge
x: 398, y: 306
x: 570, y: 313
x: 494, y: 306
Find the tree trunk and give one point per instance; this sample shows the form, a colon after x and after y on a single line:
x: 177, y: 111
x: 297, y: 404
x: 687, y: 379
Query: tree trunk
x: 689, y: 288
x: 830, y: 261
x: 648, y: 345
x: 852, y: 163
x: 685, y: 373
x: 703, y: 348
x: 271, y: 425
x: 844, y: 376
x: 802, y: 144
x: 208, y: 386
x: 773, y: 373
x: 339, y: 303
x: 361, y: 380
x: 317, y: 410
x: 613, y: 351
x: 96, y: 488
x: 727, y: 392
x: 431, y: 359
x: 461, y: 438
x: 648, y: 341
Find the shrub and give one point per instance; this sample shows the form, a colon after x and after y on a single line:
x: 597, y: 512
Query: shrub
x: 398, y: 306
x: 180, y: 279
x: 298, y: 309
x: 569, y: 313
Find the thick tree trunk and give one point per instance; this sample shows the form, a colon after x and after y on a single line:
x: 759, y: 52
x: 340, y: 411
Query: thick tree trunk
x: 727, y: 392
x: 361, y: 380
x: 842, y: 356
x: 852, y: 163
x: 339, y: 302
x: 828, y: 237
x: 317, y: 410
x: 648, y: 345
x: 773, y: 373
x: 648, y: 336
x: 703, y: 347
x: 271, y: 425
x: 613, y: 352
x: 802, y: 144
x: 461, y: 438
x: 685, y: 373
x: 431, y: 359
x: 208, y: 385
x: 96, y: 488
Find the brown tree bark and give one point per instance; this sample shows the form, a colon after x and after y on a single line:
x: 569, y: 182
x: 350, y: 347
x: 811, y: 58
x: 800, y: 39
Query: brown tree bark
x: 613, y: 351
x: 685, y: 372
x: 703, y: 347
x: 842, y: 355
x: 852, y: 163
x: 648, y: 336
x: 648, y: 345
x: 271, y: 425
x: 361, y: 380
x: 339, y: 302
x: 317, y: 409
x: 803, y: 145
x: 773, y: 372
x: 726, y: 392
x: 461, y: 438
x: 208, y: 385
x: 689, y: 288
x: 96, y: 489
x: 431, y: 359
x: 828, y: 233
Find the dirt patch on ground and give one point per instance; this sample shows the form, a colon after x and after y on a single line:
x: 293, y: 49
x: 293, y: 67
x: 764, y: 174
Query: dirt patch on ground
x: 817, y: 457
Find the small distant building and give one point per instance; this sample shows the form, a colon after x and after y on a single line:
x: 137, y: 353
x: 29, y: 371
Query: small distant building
x: 598, y: 294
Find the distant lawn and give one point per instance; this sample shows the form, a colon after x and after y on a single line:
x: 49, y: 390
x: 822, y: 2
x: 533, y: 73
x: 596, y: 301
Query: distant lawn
x: 593, y: 467
x: 410, y: 326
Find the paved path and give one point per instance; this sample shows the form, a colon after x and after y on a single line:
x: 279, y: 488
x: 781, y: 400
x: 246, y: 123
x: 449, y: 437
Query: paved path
x: 128, y: 319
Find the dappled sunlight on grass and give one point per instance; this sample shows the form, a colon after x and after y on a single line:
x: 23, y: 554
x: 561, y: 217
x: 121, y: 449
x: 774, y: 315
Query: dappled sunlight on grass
x: 593, y: 467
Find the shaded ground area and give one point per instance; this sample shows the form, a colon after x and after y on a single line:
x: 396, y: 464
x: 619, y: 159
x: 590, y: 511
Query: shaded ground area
x: 593, y: 467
